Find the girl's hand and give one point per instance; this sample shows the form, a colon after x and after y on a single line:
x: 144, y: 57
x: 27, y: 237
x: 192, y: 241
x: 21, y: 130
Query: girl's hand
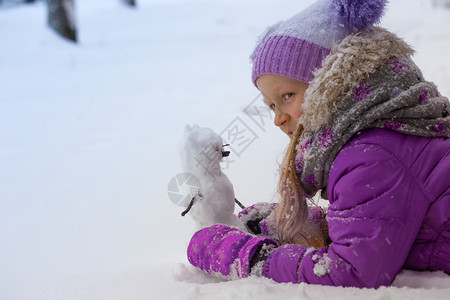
x: 255, y: 219
x: 224, y: 251
x: 259, y: 219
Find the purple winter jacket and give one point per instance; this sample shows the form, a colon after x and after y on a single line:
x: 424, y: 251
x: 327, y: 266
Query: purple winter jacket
x: 389, y: 197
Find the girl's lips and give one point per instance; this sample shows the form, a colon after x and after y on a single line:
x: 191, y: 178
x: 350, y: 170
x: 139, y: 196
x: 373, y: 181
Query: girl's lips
x: 290, y: 134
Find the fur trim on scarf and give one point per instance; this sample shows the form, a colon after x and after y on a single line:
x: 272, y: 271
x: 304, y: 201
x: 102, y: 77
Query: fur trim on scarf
x: 349, y: 63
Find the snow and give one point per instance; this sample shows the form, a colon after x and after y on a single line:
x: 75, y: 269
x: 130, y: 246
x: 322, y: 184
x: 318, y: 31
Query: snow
x: 89, y: 136
x: 322, y: 266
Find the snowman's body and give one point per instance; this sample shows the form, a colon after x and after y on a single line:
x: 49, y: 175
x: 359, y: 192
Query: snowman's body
x: 201, y: 154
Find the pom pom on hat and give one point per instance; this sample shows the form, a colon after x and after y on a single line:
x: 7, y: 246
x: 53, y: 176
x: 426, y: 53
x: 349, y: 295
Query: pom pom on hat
x: 359, y: 14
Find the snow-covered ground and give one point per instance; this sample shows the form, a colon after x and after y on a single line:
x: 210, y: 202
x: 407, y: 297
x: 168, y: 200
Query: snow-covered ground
x: 89, y: 135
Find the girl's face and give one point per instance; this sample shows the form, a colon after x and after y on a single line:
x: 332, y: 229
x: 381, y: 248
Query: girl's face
x: 284, y: 96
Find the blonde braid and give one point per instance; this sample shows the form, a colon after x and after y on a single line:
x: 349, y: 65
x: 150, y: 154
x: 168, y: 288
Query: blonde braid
x: 292, y: 222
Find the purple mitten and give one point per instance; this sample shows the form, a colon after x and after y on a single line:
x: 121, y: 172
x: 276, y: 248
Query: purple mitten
x: 224, y: 251
x: 259, y: 218
x: 268, y: 225
x: 317, y: 215
x: 253, y: 215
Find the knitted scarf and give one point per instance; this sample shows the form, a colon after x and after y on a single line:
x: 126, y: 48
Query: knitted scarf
x: 394, y: 96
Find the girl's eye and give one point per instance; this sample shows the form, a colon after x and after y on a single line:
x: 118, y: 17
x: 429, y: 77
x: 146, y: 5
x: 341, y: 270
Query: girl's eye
x: 271, y: 106
x: 287, y: 96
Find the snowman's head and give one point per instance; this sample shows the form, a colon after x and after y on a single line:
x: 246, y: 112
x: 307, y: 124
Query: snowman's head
x: 201, y: 148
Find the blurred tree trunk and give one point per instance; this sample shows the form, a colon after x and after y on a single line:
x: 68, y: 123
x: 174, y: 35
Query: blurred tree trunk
x: 61, y: 17
x: 441, y: 3
x: 130, y: 2
x: 10, y: 3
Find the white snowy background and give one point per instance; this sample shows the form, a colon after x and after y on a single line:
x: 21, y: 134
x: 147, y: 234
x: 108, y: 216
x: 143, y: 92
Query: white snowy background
x: 89, y: 135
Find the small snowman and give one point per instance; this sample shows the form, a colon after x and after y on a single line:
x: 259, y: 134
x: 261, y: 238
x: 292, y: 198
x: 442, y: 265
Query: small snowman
x: 214, y: 201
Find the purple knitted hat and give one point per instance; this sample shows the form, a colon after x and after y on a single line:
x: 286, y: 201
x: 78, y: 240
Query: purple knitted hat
x: 296, y: 47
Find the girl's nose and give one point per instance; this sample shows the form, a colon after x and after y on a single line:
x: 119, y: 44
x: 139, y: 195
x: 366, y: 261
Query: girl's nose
x: 280, y: 118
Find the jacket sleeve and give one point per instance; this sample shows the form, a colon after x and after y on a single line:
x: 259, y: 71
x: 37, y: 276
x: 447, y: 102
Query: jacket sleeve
x: 376, y: 208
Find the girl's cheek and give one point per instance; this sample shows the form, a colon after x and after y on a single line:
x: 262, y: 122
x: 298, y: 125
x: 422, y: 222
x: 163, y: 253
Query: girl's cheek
x: 296, y: 109
x: 296, y: 113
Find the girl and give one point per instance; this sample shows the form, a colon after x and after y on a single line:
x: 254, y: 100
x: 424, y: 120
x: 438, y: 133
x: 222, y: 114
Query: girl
x: 369, y: 133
